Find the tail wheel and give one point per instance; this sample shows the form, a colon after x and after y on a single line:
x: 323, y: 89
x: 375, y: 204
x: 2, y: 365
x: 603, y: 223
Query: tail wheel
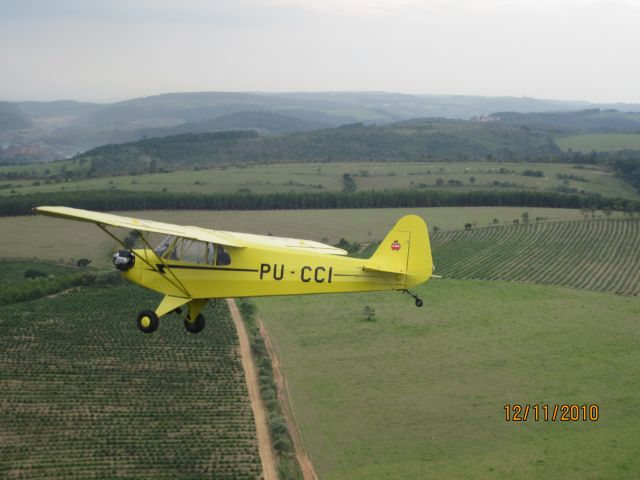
x: 194, y: 326
x: 147, y: 321
x: 419, y: 302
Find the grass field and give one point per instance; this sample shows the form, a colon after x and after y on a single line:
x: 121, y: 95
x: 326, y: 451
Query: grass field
x: 588, y: 142
x: 44, y: 169
x: 420, y: 393
x: 596, y: 254
x: 64, y: 241
x: 85, y: 395
x: 13, y: 271
x: 328, y: 177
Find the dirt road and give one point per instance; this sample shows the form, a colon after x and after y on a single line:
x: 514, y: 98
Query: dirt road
x: 265, y: 449
x: 283, y: 394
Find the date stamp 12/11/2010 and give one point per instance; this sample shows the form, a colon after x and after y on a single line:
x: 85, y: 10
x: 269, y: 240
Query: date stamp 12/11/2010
x: 566, y: 412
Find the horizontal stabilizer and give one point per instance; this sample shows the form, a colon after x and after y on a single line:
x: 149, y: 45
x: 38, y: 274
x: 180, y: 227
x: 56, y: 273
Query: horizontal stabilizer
x: 375, y: 268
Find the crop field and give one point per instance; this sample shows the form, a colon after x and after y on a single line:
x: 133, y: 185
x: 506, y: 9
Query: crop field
x: 328, y: 177
x: 420, y: 393
x: 85, y: 395
x: 598, y: 255
x: 588, y: 142
x: 64, y: 241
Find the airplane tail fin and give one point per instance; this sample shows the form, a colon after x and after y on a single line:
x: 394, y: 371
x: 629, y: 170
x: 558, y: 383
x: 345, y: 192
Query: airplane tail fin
x: 405, y: 250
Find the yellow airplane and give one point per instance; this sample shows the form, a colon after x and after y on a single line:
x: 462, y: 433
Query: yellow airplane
x: 193, y: 265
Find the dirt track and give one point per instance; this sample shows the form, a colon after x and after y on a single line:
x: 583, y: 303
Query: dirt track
x: 308, y: 472
x: 265, y: 449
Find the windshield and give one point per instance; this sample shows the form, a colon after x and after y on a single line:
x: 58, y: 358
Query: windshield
x: 166, y: 246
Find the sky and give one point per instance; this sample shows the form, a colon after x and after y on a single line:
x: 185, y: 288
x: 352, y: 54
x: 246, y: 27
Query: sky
x: 107, y: 50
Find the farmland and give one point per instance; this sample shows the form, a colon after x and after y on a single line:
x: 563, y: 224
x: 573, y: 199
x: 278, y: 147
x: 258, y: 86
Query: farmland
x: 86, y: 395
x: 319, y: 177
x: 419, y: 393
x: 588, y: 142
x: 597, y: 254
x: 413, y: 393
x: 64, y: 241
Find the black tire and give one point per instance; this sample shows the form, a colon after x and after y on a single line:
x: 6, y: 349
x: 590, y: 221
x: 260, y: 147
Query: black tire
x: 419, y: 302
x: 194, y: 327
x: 147, y: 321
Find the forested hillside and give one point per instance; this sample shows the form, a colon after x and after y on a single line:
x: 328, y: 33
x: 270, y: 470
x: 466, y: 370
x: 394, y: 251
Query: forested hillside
x: 417, y: 140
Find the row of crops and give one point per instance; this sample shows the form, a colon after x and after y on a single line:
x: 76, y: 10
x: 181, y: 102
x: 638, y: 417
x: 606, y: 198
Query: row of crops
x: 86, y: 395
x: 601, y: 255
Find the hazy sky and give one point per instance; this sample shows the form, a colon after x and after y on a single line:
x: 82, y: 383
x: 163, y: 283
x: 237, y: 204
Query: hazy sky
x: 115, y: 49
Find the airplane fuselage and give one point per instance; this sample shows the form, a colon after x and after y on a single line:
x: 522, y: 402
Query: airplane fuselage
x: 253, y: 272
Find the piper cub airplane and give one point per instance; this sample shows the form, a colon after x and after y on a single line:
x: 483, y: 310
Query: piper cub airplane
x: 193, y: 265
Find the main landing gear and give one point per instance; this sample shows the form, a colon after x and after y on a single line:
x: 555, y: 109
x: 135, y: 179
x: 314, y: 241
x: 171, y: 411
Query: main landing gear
x: 194, y: 326
x: 418, y: 300
x: 148, y: 320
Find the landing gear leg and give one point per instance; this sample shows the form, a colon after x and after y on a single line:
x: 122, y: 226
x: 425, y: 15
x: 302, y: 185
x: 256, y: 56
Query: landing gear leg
x: 419, y: 301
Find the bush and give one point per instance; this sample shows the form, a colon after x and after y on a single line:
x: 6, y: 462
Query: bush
x: 277, y: 425
x: 369, y: 313
x: 31, y: 273
x: 351, y: 247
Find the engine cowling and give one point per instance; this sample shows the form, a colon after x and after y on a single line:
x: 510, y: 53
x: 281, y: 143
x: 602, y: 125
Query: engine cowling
x: 124, y: 260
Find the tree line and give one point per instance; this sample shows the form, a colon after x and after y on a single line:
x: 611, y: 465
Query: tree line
x: 106, y: 200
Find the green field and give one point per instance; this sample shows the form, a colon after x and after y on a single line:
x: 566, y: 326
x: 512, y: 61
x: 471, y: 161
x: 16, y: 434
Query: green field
x: 85, y: 395
x: 13, y: 271
x: 600, y: 142
x: 44, y: 169
x: 595, y: 254
x: 318, y: 177
x: 420, y: 393
x: 65, y: 241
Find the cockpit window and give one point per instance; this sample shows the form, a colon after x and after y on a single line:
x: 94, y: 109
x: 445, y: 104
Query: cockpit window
x: 222, y: 257
x: 192, y: 251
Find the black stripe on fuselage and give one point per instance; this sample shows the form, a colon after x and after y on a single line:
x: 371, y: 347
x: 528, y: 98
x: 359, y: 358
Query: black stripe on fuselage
x: 357, y: 275
x: 161, y: 268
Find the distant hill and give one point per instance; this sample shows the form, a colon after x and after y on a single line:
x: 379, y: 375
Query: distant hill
x: 331, y: 108
x: 58, y: 108
x: 11, y: 118
x: 62, y: 128
x: 262, y: 122
x: 592, y: 120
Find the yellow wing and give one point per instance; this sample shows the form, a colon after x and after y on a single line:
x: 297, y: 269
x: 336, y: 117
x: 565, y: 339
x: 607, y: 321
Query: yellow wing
x: 231, y: 239
x: 281, y: 242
